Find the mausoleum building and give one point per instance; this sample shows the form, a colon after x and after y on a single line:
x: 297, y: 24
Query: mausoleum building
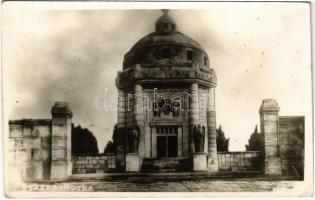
x: 166, y: 89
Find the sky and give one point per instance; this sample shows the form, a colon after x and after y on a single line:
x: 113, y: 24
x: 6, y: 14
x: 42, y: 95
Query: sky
x: 258, y: 50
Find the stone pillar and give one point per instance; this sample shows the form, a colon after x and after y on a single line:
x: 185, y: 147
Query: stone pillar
x: 138, y: 112
x: 138, y: 117
x: 212, y: 133
x: 269, y: 119
x: 121, y: 118
x: 199, y: 158
x: 138, y: 121
x: 193, y: 114
x: 61, y: 166
x: 121, y: 132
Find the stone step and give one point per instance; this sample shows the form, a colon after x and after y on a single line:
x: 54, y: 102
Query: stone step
x: 165, y: 165
x: 173, y: 176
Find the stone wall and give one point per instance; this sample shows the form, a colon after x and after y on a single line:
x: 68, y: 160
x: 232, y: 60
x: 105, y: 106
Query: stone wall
x: 30, y: 148
x: 40, y: 149
x: 93, y: 163
x: 291, y: 131
x: 240, y: 161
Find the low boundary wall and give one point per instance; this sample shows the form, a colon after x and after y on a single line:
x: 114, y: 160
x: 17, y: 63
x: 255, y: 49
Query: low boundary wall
x: 93, y: 163
x: 240, y: 161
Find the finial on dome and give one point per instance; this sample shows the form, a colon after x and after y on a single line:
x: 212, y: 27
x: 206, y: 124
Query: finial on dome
x: 165, y: 11
x: 165, y: 23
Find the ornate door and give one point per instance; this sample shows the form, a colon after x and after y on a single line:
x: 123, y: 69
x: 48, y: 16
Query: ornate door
x: 167, y: 141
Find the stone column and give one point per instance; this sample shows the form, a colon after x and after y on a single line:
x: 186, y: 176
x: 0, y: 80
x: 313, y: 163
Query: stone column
x: 61, y: 165
x: 199, y: 158
x: 212, y: 133
x: 193, y: 114
x: 138, y: 116
x: 121, y: 118
x: 133, y: 160
x: 121, y: 131
x: 269, y: 119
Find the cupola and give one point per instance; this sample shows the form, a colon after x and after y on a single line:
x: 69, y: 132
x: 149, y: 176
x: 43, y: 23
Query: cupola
x: 167, y: 47
x: 165, y: 23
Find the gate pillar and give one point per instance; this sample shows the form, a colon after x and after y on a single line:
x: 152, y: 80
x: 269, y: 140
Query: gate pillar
x: 61, y: 165
x: 269, y: 120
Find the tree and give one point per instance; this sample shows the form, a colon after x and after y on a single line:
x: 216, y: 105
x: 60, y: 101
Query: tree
x: 110, y: 147
x: 222, y: 142
x: 255, y: 141
x: 83, y: 141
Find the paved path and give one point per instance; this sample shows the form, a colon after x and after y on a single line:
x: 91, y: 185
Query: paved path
x: 162, y: 186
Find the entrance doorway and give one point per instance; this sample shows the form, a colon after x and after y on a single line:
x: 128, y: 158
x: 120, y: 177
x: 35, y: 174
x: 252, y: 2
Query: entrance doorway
x: 167, y: 141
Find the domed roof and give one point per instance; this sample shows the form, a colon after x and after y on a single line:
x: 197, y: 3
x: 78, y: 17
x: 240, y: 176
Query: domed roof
x: 174, y: 37
x: 165, y: 35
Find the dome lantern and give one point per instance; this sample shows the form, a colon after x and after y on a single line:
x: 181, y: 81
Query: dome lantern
x: 165, y: 23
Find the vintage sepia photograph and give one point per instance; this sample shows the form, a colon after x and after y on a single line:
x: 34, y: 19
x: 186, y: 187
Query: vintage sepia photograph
x: 150, y: 99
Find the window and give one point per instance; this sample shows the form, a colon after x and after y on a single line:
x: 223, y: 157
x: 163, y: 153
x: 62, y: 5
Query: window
x: 205, y: 61
x: 161, y: 27
x: 189, y: 55
x: 166, y: 53
x: 167, y: 130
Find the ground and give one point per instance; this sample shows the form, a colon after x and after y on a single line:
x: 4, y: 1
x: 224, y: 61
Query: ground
x: 161, y: 186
